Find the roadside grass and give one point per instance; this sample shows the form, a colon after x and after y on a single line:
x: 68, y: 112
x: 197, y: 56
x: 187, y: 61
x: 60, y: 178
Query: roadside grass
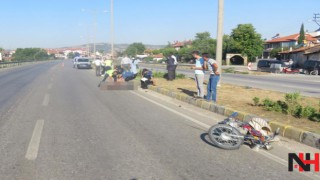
x: 241, y: 99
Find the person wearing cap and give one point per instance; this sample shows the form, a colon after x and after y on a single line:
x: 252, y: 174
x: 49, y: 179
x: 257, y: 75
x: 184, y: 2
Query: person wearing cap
x: 199, y: 73
x: 214, y: 78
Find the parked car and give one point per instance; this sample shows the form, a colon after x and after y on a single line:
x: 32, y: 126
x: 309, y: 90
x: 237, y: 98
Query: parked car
x: 83, y: 63
x: 312, y: 67
x: 265, y: 64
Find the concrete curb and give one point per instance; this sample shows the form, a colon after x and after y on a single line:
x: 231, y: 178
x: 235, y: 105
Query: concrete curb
x: 300, y: 135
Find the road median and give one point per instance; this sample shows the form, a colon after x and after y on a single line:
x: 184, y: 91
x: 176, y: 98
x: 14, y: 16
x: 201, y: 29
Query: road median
x: 286, y: 130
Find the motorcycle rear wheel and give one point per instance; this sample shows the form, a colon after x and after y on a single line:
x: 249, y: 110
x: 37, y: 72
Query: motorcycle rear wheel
x: 220, y: 136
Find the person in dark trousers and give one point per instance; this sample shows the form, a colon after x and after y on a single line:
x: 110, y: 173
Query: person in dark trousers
x: 146, y: 79
x: 175, y: 65
x: 171, y: 68
x: 212, y: 66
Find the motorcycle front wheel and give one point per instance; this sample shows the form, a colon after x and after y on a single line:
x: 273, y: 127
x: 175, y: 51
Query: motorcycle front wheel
x: 225, y: 137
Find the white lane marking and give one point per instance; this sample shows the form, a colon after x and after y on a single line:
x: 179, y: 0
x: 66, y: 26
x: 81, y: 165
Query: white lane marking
x: 50, y: 86
x: 46, y: 99
x: 264, y: 153
x: 174, y: 111
x: 33, y: 148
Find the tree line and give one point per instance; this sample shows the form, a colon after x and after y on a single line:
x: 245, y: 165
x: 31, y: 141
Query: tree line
x: 30, y: 54
x: 243, y: 40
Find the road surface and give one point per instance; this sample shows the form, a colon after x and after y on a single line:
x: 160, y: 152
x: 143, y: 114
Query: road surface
x: 287, y: 83
x: 56, y: 124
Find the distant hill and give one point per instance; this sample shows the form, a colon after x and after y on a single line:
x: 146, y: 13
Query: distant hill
x: 106, y: 47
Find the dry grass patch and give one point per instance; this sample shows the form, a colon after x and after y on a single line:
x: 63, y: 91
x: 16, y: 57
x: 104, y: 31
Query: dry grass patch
x: 240, y: 98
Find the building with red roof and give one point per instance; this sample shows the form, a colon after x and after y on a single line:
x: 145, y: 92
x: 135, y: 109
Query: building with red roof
x: 178, y: 45
x: 289, y: 41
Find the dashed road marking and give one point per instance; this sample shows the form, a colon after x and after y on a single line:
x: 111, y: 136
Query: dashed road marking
x: 46, y: 100
x: 33, y: 148
x: 50, y: 86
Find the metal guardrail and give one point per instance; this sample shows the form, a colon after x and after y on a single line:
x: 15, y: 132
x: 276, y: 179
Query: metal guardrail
x: 15, y: 63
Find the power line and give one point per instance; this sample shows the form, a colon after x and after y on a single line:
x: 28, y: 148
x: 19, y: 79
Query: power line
x: 316, y: 18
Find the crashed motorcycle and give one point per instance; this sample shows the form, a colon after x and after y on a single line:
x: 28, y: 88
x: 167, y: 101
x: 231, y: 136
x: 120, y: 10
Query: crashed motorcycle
x: 231, y: 133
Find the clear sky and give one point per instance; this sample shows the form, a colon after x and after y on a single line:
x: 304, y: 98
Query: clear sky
x: 58, y: 23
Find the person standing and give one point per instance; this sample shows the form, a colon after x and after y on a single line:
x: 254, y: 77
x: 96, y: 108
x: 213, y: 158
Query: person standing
x: 199, y: 73
x: 214, y: 78
x: 175, y: 65
x: 97, y: 64
x: 134, y: 66
x: 125, y: 63
x: 107, y: 65
x: 170, y: 68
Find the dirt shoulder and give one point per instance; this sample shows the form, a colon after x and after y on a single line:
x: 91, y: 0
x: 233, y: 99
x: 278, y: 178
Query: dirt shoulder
x: 240, y: 99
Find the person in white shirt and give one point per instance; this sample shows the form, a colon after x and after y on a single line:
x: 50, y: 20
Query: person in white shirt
x: 126, y: 63
x: 175, y: 65
x: 134, y: 66
x: 97, y: 64
x: 199, y: 73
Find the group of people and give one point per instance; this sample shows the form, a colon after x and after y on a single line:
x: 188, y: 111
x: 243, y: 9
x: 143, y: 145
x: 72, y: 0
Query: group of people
x: 204, y: 62
x: 128, y: 70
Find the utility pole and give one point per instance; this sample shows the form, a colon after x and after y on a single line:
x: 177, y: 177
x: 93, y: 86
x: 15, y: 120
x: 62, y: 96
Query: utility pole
x: 112, y: 28
x: 94, y: 34
x: 95, y: 24
x: 316, y: 19
x: 220, y: 36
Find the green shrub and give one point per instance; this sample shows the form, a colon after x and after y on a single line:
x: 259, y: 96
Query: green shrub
x: 180, y: 76
x: 256, y: 101
x: 229, y: 70
x: 148, y: 59
x: 315, y: 117
x: 308, y: 112
x: 284, y: 106
x: 268, y: 104
x: 158, y: 74
x: 290, y: 106
x: 277, y: 107
x: 292, y: 100
x: 297, y: 111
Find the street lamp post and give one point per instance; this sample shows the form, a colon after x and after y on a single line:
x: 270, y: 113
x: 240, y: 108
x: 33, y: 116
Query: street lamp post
x: 95, y: 17
x: 220, y: 36
x: 112, y: 28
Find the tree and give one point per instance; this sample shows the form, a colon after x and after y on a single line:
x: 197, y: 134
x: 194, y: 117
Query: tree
x: 274, y: 53
x: 245, y: 40
x: 226, y: 48
x: 156, y: 51
x: 302, y: 35
x: 30, y: 54
x: 71, y: 55
x: 168, y: 51
x: 101, y: 51
x: 134, y: 49
x: 185, y: 54
x: 204, y: 43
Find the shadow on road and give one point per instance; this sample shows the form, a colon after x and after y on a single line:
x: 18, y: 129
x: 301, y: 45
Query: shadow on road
x: 205, y: 138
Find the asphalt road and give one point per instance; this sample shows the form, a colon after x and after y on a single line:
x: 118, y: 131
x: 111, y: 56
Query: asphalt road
x: 287, y: 83
x: 56, y: 124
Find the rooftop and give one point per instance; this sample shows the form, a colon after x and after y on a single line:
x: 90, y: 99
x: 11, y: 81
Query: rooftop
x: 293, y: 37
